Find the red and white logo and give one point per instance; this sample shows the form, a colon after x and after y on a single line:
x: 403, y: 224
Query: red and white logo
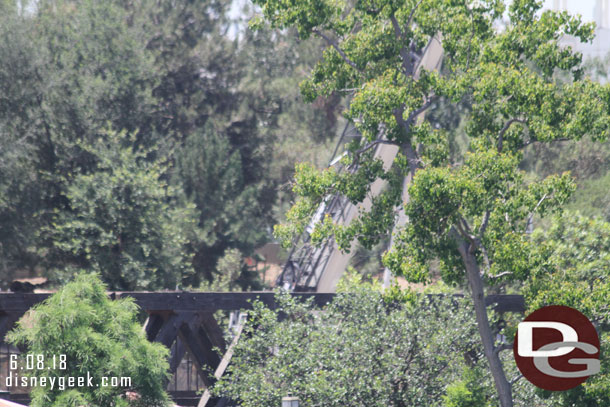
x: 556, y: 348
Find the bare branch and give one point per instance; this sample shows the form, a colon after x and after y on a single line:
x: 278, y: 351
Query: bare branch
x: 422, y: 109
x: 531, y: 215
x: 404, y: 53
x: 484, y: 251
x: 334, y: 44
x: 500, y: 275
x: 410, y: 19
x: 397, y: 30
x: 467, y: 228
x: 406, y: 124
x: 350, y: 89
x: 464, y: 230
x: 373, y: 144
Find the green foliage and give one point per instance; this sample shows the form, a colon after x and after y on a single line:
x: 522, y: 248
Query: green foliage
x: 173, y: 75
x: 593, y: 198
x: 212, y: 174
x: 469, y: 213
x: 488, y: 186
x: 574, y: 272
x: 467, y: 392
x: 359, y: 350
x: 99, y: 337
x: 123, y: 221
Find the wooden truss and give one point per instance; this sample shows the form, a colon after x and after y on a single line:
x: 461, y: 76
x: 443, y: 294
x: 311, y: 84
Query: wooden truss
x: 185, y: 323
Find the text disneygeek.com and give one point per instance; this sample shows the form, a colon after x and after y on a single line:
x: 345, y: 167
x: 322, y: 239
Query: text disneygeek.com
x: 32, y: 363
x: 64, y: 382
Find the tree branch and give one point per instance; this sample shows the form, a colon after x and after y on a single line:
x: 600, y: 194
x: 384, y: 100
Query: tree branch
x: 478, y: 243
x: 500, y: 275
x: 484, y: 223
x: 422, y: 109
x: 504, y: 346
x: 334, y: 44
x: 373, y: 144
x: 397, y: 30
x: 531, y: 215
x: 410, y: 19
x: 505, y: 129
x: 404, y: 53
x: 406, y: 124
x: 516, y: 379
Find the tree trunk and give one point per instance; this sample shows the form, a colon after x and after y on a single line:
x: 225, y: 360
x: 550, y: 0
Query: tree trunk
x: 503, y: 387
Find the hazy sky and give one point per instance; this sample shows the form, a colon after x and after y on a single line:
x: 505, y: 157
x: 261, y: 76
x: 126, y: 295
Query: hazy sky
x: 583, y: 7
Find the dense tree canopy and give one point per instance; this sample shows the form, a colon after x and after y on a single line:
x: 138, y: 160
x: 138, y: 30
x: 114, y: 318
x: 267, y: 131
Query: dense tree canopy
x: 193, y: 93
x: 154, y: 141
x: 124, y: 221
x: 470, y: 214
x: 362, y: 349
x: 573, y: 271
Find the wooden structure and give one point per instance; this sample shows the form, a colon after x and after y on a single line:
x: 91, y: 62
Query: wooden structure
x: 185, y: 323
x: 182, y: 321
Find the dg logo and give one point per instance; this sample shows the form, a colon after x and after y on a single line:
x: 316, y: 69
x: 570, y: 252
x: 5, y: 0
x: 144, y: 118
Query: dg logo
x: 556, y: 348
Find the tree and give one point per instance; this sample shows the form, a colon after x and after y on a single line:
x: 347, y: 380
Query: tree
x: 99, y: 338
x: 123, y: 221
x: 172, y: 75
x: 362, y: 349
x: 471, y: 214
x: 71, y: 71
x: 232, y: 194
x: 573, y: 271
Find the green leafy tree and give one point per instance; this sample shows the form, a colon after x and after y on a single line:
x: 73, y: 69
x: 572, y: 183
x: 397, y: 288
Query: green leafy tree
x: 68, y: 71
x: 362, y: 349
x: 123, y: 221
x: 170, y: 73
x: 21, y: 184
x: 232, y: 195
x: 467, y: 392
x: 575, y: 253
x: 471, y: 214
x: 99, y: 338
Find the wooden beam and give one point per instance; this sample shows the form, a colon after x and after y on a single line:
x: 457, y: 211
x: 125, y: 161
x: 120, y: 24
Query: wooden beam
x: 212, y: 330
x: 169, y: 331
x: 7, y: 322
x: 171, y: 300
x: 153, y: 325
x: 222, y: 367
x: 177, y: 352
x: 20, y: 302
x: 506, y: 303
x: 200, y: 349
x: 210, y: 302
x: 153, y: 302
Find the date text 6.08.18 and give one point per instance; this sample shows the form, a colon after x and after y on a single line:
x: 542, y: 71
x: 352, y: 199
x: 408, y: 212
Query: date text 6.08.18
x: 31, y: 361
